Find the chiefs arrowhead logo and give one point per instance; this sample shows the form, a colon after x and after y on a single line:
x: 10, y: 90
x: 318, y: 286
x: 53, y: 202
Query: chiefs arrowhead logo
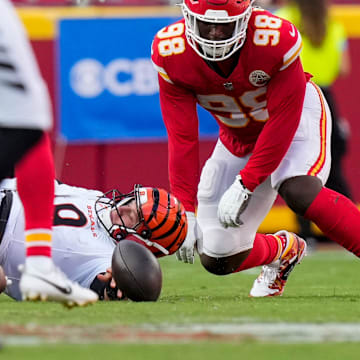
x: 259, y: 78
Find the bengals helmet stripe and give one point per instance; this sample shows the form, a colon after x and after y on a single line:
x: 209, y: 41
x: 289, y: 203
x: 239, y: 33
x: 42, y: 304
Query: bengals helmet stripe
x: 156, y: 204
x: 166, y: 216
x: 175, y: 245
x: 174, y: 227
x: 178, y: 235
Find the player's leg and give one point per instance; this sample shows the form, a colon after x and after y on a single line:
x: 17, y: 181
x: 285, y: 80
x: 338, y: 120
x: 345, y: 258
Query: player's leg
x: 308, y: 153
x: 336, y: 216
x: 40, y: 278
x: 25, y: 104
x: 225, y: 251
x: 35, y: 175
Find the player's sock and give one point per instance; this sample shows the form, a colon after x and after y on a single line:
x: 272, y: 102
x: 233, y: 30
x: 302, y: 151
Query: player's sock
x: 35, y: 182
x: 44, y: 264
x: 338, y: 218
x: 266, y: 249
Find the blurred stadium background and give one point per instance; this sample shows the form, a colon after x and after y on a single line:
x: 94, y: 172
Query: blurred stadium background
x: 95, y: 58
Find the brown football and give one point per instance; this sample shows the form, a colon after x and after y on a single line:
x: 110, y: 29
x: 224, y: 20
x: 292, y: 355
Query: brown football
x: 136, y: 271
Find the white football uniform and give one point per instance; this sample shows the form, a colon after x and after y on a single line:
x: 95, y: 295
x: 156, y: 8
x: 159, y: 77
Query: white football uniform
x: 20, y: 79
x: 81, y: 248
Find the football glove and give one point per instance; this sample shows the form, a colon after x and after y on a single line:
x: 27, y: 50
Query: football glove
x: 186, y: 253
x: 233, y: 202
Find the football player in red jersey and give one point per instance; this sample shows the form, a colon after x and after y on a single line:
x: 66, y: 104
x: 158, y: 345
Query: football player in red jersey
x: 241, y: 63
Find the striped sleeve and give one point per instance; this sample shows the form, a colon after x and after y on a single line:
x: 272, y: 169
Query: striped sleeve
x: 162, y: 73
x: 293, y: 53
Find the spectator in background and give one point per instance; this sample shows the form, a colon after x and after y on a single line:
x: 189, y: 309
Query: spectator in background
x: 325, y: 55
x: 25, y: 116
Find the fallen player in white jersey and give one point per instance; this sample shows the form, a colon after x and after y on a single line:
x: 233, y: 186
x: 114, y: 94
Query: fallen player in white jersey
x: 87, y: 225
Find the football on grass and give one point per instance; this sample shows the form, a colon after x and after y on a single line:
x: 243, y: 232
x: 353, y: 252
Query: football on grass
x: 136, y: 271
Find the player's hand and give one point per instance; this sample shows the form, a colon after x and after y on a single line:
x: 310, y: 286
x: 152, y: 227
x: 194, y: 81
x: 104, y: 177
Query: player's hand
x: 233, y: 202
x: 186, y: 253
x: 4, y: 281
x: 108, y: 278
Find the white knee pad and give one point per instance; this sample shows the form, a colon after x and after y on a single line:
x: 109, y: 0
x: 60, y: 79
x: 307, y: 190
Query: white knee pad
x: 213, y: 180
x: 221, y: 242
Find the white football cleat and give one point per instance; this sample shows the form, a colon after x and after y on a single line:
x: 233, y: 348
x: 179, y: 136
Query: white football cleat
x: 273, y: 277
x: 53, y: 286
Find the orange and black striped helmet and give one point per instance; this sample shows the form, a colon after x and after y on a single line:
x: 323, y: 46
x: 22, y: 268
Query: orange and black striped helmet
x: 162, y: 220
x: 162, y: 224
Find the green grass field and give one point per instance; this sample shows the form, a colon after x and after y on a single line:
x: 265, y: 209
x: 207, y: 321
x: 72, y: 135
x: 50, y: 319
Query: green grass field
x: 201, y: 316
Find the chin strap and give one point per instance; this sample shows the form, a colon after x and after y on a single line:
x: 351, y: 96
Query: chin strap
x: 153, y: 244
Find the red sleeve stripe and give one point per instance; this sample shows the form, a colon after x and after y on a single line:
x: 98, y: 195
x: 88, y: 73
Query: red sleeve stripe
x: 319, y: 163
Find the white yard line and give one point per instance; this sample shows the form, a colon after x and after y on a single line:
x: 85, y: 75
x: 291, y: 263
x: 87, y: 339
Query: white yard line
x: 262, y: 332
x: 273, y: 332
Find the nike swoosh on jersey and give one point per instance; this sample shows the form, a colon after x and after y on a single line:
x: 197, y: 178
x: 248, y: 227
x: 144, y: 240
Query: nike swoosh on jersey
x: 292, y: 32
x: 65, y: 290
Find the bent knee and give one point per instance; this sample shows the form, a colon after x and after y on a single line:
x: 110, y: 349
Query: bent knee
x: 223, y: 265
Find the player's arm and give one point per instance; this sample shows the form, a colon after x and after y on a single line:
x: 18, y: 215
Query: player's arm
x: 281, y: 45
x: 285, y: 97
x: 178, y: 108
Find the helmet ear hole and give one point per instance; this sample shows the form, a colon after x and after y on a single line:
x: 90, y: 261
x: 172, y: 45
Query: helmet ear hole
x: 119, y: 234
x: 146, y: 234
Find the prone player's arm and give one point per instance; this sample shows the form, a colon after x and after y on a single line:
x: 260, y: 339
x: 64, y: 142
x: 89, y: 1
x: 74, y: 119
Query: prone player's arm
x: 4, y: 281
x: 104, y: 285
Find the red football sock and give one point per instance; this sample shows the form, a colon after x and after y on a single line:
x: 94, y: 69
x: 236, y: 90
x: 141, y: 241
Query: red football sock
x: 266, y: 249
x: 338, y: 218
x: 35, y: 183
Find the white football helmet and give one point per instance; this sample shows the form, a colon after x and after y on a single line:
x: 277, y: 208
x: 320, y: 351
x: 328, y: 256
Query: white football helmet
x: 217, y: 12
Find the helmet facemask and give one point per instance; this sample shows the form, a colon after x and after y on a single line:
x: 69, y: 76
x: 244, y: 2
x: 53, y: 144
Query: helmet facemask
x: 113, y: 200
x: 215, y: 50
x: 109, y: 202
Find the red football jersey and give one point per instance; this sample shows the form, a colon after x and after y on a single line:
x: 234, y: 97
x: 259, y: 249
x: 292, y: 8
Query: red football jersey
x: 258, y: 106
